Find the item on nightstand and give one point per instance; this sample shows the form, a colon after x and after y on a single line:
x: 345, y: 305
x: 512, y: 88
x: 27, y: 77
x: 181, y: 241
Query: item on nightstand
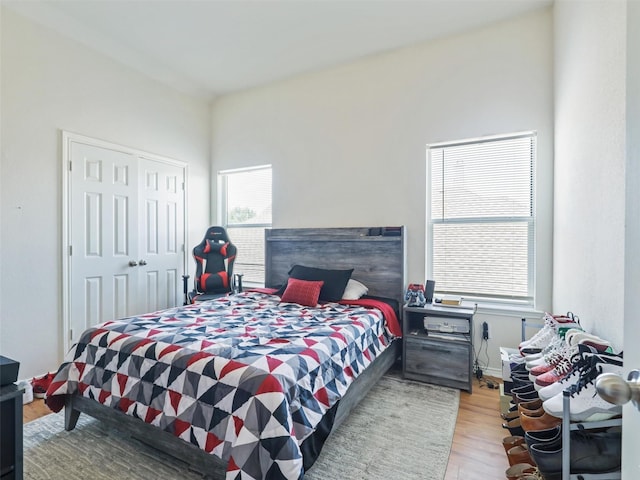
x: 415, y: 295
x: 446, y: 324
x: 449, y: 301
x: 429, y: 287
x: 8, y: 371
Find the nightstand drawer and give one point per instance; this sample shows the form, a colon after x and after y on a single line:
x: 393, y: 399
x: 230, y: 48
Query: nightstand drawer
x: 438, y: 361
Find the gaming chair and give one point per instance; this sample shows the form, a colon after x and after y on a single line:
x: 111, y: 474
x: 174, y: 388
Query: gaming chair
x: 214, y: 257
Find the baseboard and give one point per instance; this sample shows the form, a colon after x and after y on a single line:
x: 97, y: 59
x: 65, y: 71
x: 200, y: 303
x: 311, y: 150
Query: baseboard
x: 492, y: 372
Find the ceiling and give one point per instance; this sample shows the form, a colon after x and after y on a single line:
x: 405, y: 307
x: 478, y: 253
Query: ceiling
x: 213, y: 47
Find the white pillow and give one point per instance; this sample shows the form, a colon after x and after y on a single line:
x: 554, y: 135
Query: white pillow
x: 354, y: 290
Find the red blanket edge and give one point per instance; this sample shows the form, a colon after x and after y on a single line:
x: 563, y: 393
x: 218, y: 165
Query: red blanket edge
x: 387, y: 310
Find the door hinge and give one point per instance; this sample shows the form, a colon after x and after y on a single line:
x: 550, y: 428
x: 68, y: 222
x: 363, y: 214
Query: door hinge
x: 70, y: 250
x: 70, y: 168
x: 70, y: 334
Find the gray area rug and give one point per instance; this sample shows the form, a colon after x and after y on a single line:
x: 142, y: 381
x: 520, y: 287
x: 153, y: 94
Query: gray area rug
x: 401, y: 430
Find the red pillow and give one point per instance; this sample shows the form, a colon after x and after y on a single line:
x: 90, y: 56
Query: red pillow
x: 303, y: 292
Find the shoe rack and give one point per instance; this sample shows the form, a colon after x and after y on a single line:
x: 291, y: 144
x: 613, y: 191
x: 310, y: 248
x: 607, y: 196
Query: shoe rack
x: 567, y: 427
x: 525, y: 324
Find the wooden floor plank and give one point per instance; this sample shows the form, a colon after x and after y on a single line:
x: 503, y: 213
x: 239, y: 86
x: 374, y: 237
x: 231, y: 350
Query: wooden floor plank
x: 477, y: 452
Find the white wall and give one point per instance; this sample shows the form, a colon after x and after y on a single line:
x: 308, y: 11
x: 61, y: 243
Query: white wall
x: 588, y: 270
x: 597, y: 162
x: 49, y: 84
x: 347, y: 144
x: 631, y: 464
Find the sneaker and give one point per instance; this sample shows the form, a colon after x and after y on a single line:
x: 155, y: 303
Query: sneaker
x: 586, y: 360
x: 584, y: 347
x: 560, y: 338
x: 568, y: 351
x: 550, y: 349
x: 548, y: 325
x: 561, y: 356
x: 598, y: 343
x: 585, y: 404
x: 554, y: 326
x: 537, y: 343
x: 559, y: 372
x: 41, y: 385
x: 555, y: 348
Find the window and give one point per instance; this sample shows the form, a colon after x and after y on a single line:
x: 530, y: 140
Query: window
x: 481, y: 217
x: 245, y: 211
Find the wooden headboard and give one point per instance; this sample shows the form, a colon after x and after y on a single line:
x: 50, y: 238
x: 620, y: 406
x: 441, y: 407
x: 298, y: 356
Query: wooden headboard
x: 377, y: 255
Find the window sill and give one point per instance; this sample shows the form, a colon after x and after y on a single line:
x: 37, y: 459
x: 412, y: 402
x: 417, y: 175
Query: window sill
x: 510, y: 310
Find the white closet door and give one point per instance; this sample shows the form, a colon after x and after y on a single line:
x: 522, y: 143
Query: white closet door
x: 104, y: 221
x: 126, y: 235
x: 161, y: 244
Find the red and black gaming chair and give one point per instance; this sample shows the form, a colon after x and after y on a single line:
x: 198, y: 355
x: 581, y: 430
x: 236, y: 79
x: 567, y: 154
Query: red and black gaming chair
x: 214, y: 266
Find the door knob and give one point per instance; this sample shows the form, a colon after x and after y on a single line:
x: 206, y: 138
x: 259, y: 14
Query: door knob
x: 133, y: 263
x: 614, y: 389
x: 142, y: 263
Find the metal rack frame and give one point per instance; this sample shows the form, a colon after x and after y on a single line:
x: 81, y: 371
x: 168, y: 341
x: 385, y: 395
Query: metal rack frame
x: 568, y: 427
x: 526, y: 324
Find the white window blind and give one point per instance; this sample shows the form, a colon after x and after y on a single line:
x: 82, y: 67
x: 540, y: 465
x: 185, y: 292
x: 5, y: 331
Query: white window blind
x: 482, y: 217
x: 245, y: 205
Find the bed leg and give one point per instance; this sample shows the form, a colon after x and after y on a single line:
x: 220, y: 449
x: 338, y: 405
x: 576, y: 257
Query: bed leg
x: 70, y: 415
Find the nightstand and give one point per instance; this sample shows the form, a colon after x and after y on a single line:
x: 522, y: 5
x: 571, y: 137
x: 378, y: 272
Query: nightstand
x: 443, y: 353
x: 11, y: 456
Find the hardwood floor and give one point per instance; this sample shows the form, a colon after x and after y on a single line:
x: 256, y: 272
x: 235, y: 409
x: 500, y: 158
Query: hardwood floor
x: 476, y: 453
x: 34, y: 410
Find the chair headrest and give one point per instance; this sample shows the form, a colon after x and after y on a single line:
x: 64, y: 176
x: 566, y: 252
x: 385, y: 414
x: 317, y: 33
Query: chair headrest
x: 216, y: 233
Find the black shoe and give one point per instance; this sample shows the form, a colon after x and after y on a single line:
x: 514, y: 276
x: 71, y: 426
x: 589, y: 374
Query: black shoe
x: 525, y: 388
x: 590, y: 452
x: 549, y: 435
x: 520, y: 376
x: 519, y: 368
x: 525, y: 396
x: 514, y: 427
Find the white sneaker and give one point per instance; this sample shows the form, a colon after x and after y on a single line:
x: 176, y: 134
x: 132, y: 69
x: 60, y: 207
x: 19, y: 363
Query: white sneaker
x: 571, y: 339
x: 587, y: 339
x: 587, y: 360
x: 585, y: 403
x: 536, y: 345
x: 552, y: 351
x: 542, y: 334
x: 563, y: 355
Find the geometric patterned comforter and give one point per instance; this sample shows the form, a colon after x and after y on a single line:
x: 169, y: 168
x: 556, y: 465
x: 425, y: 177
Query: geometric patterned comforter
x: 243, y: 377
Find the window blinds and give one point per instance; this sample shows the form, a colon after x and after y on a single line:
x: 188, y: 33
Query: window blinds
x: 246, y: 201
x: 482, y: 217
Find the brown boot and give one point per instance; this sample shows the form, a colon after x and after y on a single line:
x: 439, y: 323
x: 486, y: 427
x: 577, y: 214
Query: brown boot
x: 513, y: 441
x: 514, y: 472
x: 519, y: 454
x: 542, y: 422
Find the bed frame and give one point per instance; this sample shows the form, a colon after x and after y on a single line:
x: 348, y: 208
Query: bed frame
x: 377, y: 257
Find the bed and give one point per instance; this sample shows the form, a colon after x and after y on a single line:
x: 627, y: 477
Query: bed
x: 250, y: 381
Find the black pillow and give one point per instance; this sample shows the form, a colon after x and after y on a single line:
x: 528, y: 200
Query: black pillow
x: 335, y: 281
